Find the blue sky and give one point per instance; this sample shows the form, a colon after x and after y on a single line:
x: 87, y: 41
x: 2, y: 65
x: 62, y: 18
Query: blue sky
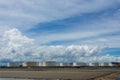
x: 63, y: 22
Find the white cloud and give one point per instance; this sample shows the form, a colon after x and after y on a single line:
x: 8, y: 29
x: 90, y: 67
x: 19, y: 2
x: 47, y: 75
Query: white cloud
x: 93, y: 32
x: 47, y: 38
x: 17, y: 47
x: 105, y: 58
x: 23, y: 14
x: 110, y: 41
x: 13, y: 44
x: 30, y: 12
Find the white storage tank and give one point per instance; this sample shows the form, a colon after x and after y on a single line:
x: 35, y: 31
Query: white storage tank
x: 94, y: 64
x: 79, y: 64
x: 103, y: 64
x: 30, y: 64
x: 66, y: 64
x: 13, y: 64
x: 111, y: 64
x: 48, y: 63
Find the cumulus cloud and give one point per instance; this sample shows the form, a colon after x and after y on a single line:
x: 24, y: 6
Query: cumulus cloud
x: 17, y: 47
x: 27, y: 13
x: 67, y: 53
x: 13, y: 44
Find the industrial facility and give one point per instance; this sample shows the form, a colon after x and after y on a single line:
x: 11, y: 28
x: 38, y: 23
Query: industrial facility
x: 47, y: 63
x: 66, y: 64
x: 13, y: 64
x: 61, y: 64
x: 79, y: 64
x: 106, y: 64
x: 30, y: 64
x: 95, y: 64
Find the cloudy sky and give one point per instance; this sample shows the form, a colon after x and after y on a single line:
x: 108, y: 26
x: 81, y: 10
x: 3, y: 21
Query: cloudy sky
x: 61, y: 30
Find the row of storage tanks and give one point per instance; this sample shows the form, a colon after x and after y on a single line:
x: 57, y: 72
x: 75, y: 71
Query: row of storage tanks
x: 53, y: 63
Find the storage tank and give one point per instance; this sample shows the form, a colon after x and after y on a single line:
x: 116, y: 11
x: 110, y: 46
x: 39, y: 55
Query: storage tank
x: 95, y: 64
x: 66, y: 64
x: 103, y: 64
x: 13, y: 64
x: 48, y: 63
x: 77, y: 64
x: 30, y: 64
